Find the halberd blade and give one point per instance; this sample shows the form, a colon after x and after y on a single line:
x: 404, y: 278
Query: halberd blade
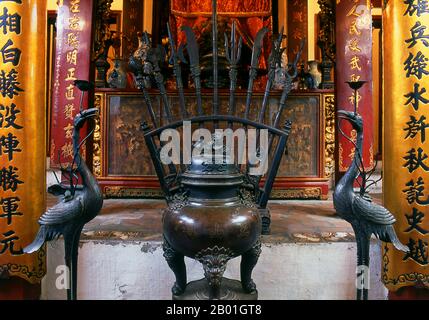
x: 194, y: 61
x: 257, y: 46
x: 191, y: 45
x: 256, y: 53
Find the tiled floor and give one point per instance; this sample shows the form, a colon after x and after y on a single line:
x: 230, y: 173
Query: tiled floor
x: 292, y: 221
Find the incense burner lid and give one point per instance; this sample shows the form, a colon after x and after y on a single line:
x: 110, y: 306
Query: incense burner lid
x: 212, y: 178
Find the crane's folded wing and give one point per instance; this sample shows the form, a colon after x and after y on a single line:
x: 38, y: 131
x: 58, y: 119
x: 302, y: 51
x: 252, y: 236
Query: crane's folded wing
x: 372, y: 212
x: 62, y: 212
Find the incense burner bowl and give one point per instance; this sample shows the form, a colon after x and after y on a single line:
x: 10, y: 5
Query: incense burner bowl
x: 212, y: 222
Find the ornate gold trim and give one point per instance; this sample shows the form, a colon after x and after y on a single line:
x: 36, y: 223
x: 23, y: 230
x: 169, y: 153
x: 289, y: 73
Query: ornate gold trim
x: 402, y: 280
x: 127, y: 192
x: 221, y: 13
x: 297, y: 193
x: 329, y: 107
x: 97, y: 154
x: 33, y: 275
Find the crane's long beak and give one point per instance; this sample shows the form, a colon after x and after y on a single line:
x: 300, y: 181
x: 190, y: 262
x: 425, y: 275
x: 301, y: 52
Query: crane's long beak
x: 89, y: 113
x: 342, y: 114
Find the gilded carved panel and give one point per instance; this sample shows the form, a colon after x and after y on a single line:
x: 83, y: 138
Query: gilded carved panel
x: 127, y: 153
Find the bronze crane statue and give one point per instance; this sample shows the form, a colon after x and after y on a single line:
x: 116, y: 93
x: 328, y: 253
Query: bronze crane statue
x: 366, y: 217
x: 78, y: 206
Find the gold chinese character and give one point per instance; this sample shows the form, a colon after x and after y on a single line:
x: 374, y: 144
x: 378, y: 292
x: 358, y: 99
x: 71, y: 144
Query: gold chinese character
x: 354, y: 63
x: 74, y: 6
x: 68, y: 111
x: 70, y: 92
x: 353, y: 136
x: 74, y: 22
x: 297, y: 16
x: 353, y: 12
x: 353, y: 30
x: 297, y: 34
x: 354, y: 45
x: 354, y: 77
x: 72, y: 40
x: 352, y: 98
x: 70, y: 74
x: 67, y: 150
x: 69, y: 131
x: 72, y: 57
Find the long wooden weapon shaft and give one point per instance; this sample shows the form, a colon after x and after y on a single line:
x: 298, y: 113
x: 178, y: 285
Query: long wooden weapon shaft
x: 194, y: 62
x: 273, y: 60
x: 159, y: 79
x: 148, y: 102
x: 286, y: 90
x: 215, y: 59
x: 288, y: 83
x: 141, y: 85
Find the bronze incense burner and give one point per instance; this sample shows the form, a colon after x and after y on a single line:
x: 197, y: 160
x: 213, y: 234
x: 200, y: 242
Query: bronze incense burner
x: 213, y: 223
x: 217, y: 204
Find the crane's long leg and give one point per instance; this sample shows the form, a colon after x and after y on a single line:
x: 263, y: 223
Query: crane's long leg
x: 359, y: 262
x: 68, y: 248
x: 365, y: 257
x: 71, y: 243
x: 75, y: 252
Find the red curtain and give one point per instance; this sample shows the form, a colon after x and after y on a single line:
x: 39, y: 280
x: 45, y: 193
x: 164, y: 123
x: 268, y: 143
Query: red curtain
x: 249, y: 15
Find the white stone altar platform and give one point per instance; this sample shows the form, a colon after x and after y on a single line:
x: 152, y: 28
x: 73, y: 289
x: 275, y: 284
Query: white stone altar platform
x: 310, y: 254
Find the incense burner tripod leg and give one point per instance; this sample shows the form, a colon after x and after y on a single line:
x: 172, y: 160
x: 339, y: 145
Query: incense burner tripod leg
x: 176, y: 262
x: 248, y: 262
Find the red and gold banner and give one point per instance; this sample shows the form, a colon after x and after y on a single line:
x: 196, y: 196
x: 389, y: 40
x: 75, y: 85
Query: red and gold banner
x: 297, y: 17
x: 406, y: 148
x: 72, y: 62
x: 353, y: 63
x: 22, y: 135
x: 249, y: 15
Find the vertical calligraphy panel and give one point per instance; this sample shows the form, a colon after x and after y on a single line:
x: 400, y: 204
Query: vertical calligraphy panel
x: 406, y: 149
x: 72, y: 62
x: 353, y: 63
x: 22, y: 134
x: 297, y: 12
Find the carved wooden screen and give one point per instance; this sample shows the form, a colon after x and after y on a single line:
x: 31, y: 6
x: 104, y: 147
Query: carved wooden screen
x: 124, y: 168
